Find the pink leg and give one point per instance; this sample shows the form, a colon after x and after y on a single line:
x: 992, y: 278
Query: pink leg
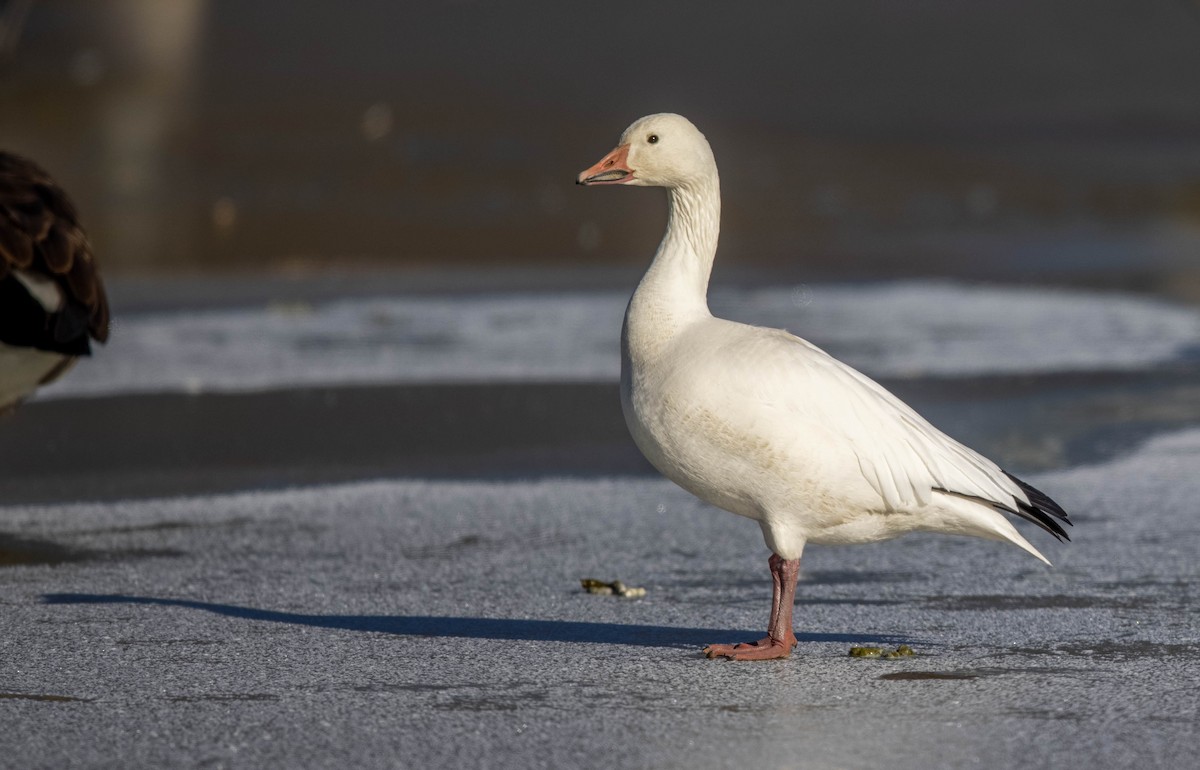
x: 780, y: 638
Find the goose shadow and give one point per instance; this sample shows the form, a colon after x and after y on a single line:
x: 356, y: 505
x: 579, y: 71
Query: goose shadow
x: 508, y: 629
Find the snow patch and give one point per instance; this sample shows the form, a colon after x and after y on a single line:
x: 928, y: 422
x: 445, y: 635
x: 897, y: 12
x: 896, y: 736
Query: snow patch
x: 907, y: 329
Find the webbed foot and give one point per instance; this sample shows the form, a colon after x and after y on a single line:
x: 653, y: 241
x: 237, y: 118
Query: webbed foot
x: 764, y: 649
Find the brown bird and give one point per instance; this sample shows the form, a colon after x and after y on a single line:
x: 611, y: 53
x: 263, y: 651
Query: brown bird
x: 52, y: 301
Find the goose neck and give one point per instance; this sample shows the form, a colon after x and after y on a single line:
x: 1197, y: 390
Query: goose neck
x: 682, y: 267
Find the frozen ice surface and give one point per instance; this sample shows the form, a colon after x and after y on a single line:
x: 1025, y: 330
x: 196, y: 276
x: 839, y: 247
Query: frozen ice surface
x: 891, y: 329
x: 418, y: 623
x: 434, y: 624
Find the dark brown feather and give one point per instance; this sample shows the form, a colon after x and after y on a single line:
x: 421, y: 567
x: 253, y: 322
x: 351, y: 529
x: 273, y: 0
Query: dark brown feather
x: 56, y: 251
x: 40, y: 232
x: 16, y: 248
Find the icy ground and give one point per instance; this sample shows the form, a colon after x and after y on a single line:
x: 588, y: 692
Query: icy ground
x: 424, y: 623
x: 437, y: 624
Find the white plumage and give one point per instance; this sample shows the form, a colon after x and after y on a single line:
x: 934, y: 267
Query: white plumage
x: 767, y: 425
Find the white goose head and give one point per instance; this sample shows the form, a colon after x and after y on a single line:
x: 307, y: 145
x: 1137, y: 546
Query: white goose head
x: 663, y: 150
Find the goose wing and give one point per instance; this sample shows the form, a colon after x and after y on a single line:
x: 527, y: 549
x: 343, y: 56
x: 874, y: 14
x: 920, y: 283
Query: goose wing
x: 43, y: 253
x: 902, y: 456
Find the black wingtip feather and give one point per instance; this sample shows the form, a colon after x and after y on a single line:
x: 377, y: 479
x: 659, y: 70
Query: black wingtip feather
x: 1041, y: 510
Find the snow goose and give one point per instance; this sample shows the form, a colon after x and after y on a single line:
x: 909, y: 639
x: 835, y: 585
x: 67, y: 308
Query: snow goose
x: 51, y: 297
x: 768, y: 426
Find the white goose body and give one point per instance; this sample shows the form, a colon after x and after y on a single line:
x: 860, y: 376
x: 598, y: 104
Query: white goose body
x: 766, y: 425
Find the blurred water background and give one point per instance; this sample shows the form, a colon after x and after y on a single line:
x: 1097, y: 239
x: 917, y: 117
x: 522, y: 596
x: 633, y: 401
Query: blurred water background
x: 992, y: 207
x: 1028, y: 141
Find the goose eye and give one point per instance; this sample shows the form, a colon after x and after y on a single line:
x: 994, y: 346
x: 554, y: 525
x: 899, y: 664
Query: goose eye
x: 652, y: 139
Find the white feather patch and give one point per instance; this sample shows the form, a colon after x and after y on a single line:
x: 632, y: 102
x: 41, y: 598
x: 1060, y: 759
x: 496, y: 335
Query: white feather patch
x: 41, y: 288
